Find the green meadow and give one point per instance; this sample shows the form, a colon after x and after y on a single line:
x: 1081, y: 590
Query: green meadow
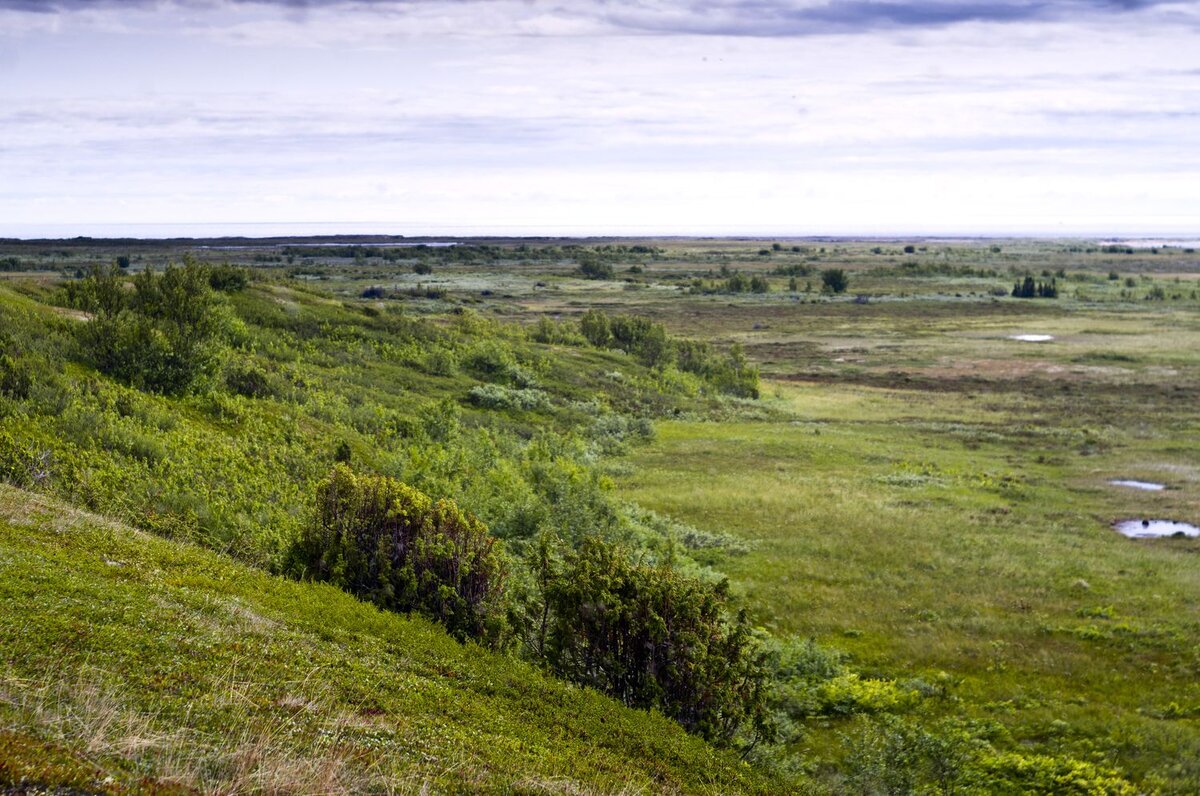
x: 911, y: 509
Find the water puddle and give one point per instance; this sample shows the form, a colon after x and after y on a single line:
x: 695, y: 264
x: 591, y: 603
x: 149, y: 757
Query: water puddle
x: 1032, y: 338
x: 1148, y: 486
x: 1155, y: 529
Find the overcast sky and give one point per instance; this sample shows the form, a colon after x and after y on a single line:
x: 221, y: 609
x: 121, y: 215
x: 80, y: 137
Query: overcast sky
x: 626, y: 116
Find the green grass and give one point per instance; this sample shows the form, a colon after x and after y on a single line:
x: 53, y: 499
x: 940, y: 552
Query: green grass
x: 917, y: 489
x: 131, y: 662
x: 924, y: 533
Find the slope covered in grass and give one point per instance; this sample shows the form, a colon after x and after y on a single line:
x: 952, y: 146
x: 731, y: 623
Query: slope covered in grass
x: 135, y: 662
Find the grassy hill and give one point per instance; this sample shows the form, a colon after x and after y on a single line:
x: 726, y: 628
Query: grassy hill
x: 133, y: 663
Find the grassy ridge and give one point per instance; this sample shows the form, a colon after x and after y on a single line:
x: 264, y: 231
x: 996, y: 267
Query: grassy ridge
x: 135, y: 662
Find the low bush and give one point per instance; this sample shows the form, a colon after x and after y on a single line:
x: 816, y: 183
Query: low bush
x: 391, y: 544
x: 651, y: 637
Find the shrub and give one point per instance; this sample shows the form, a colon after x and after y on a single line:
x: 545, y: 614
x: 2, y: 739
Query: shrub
x: 162, y: 336
x: 594, y: 326
x: 248, y: 380
x: 227, y: 278
x: 391, y: 544
x: 591, y: 268
x: 497, y: 396
x: 834, y: 280
x: 422, y: 268
x: 650, y: 637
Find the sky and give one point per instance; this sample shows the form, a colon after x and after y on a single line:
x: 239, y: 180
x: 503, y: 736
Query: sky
x: 618, y: 117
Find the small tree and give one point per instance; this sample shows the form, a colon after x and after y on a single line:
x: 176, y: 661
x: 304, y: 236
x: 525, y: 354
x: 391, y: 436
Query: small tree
x: 834, y: 280
x: 387, y: 542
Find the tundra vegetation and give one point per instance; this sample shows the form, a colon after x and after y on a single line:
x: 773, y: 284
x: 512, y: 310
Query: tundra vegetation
x: 552, y: 517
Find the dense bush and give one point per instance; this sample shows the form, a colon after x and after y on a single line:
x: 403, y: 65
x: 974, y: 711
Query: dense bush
x: 163, y: 336
x: 592, y: 268
x: 650, y: 637
x: 227, y: 278
x: 834, y: 280
x: 387, y: 542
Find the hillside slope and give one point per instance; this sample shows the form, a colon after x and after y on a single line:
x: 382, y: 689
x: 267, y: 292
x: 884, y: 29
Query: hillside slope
x: 132, y: 663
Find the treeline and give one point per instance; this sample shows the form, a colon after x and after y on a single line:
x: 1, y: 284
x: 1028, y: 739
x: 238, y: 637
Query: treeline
x: 1029, y: 288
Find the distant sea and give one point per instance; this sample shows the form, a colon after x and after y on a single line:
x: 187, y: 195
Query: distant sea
x: 452, y: 231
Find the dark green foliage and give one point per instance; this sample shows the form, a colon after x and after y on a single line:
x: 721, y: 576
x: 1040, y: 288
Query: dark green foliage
x: 834, y: 280
x: 593, y: 268
x: 227, y: 278
x: 422, y: 268
x: 123, y: 261
x: 163, y: 336
x: 391, y: 544
x: 650, y: 637
x: 759, y: 284
x: 1028, y: 288
x: 251, y: 381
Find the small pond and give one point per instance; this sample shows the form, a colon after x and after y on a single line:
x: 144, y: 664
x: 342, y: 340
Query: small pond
x: 1032, y: 338
x: 1148, y: 486
x: 1154, y: 529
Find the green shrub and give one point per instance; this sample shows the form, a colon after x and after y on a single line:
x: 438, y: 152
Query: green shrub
x: 162, y: 337
x: 591, y: 268
x: 227, y: 278
x: 387, y: 542
x: 650, y: 637
x: 834, y: 280
x: 595, y: 328
x: 251, y: 381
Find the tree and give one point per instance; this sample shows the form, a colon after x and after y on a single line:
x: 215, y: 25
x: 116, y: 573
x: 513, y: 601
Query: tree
x: 834, y: 280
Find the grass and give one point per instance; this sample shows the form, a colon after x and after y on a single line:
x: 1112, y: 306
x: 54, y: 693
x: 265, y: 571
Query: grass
x: 132, y: 662
x: 916, y: 489
x: 924, y: 533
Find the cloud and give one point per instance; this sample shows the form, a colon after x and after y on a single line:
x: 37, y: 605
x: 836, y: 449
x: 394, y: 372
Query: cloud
x: 758, y: 18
